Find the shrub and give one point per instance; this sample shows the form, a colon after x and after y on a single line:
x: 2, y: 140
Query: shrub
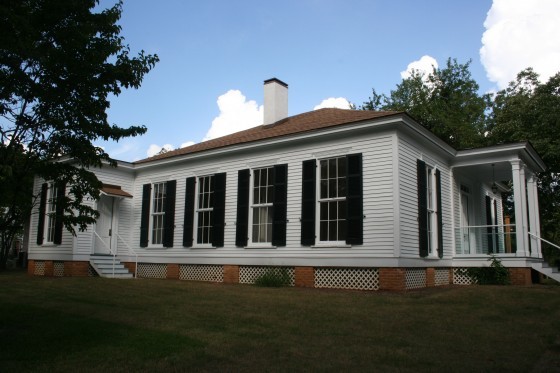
x: 274, y: 277
x: 496, y: 274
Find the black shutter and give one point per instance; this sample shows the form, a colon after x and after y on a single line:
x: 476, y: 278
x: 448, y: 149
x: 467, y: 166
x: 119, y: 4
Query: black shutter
x: 219, y: 213
x: 145, y: 218
x: 59, y: 211
x: 169, y: 216
x: 354, y: 200
x: 308, y: 202
x: 42, y: 208
x: 489, y: 221
x: 279, y: 210
x: 189, y: 212
x: 422, y: 208
x: 439, y: 215
x: 242, y: 224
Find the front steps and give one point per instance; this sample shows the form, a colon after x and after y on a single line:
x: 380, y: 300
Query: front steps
x: 547, y: 270
x: 103, y: 265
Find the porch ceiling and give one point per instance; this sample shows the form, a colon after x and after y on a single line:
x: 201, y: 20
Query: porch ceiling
x: 483, y: 172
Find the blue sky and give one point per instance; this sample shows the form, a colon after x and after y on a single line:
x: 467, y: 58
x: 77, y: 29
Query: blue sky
x: 322, y: 48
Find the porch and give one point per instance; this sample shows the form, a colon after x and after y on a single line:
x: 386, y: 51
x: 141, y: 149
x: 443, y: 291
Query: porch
x: 495, y: 202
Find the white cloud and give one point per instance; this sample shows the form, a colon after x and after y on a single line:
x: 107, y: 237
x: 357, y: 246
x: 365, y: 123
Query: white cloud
x: 236, y: 114
x: 521, y: 34
x: 424, y: 65
x: 154, y: 149
x: 187, y: 143
x: 331, y: 102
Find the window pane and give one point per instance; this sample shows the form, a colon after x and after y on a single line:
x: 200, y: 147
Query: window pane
x: 341, y: 230
x: 324, y: 231
x: 332, y: 168
x: 342, y: 210
x: 332, y: 188
x: 324, y: 211
x: 342, y: 187
x: 341, y: 167
x: 332, y: 230
x: 324, y: 171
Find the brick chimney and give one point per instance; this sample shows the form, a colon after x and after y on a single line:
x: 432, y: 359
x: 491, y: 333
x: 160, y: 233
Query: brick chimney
x: 275, y: 101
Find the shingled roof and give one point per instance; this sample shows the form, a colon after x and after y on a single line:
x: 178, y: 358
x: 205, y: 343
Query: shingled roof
x: 306, y: 122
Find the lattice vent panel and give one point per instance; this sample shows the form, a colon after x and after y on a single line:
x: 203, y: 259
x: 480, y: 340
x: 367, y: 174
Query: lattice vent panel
x: 415, y: 278
x: 441, y: 276
x: 152, y: 270
x: 92, y: 272
x: 347, y: 278
x: 58, y: 269
x: 39, y: 268
x: 248, y: 274
x: 193, y: 272
x: 461, y: 277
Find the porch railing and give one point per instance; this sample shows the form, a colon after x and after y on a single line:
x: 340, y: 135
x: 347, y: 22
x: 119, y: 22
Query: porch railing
x: 485, y: 239
x: 112, y: 253
x: 133, y: 252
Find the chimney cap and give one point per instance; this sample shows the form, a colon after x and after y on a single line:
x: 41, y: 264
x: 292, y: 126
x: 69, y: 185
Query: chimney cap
x: 275, y: 80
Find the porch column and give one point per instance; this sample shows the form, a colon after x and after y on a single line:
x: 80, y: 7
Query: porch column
x: 520, y: 201
x: 534, y: 217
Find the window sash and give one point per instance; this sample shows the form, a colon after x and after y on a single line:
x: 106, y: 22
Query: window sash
x: 331, y: 210
x: 51, y: 211
x: 431, y: 209
x: 159, y: 194
x: 204, y: 210
x: 261, y: 206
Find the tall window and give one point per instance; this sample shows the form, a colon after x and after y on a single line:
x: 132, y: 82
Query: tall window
x: 431, y: 211
x: 205, y: 209
x: 262, y: 199
x: 158, y: 212
x: 332, y: 199
x: 51, y: 213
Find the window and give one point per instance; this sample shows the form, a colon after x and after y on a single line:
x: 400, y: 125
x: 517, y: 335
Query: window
x: 261, y: 207
x: 51, y: 214
x: 332, y: 201
x: 430, y: 239
x: 205, y: 208
x: 205, y: 211
x: 158, y: 212
x: 50, y: 224
x: 157, y: 225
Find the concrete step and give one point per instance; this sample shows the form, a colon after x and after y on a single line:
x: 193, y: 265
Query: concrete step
x: 108, y: 266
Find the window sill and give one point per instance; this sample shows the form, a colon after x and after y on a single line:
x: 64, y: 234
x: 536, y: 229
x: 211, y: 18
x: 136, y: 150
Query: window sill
x: 198, y: 247
x: 331, y: 246
x: 252, y: 247
x: 49, y: 244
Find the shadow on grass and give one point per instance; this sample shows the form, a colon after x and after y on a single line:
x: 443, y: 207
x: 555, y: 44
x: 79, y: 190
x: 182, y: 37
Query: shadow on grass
x: 40, y: 339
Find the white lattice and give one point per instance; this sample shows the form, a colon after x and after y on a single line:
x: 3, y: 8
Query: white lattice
x: 441, y: 276
x: 58, y: 269
x: 39, y: 268
x: 461, y: 277
x: 195, y: 272
x: 152, y: 270
x: 415, y: 278
x: 347, y: 278
x: 248, y: 274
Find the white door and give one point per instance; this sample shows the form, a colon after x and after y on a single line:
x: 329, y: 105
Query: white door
x: 104, y: 226
x: 465, y: 223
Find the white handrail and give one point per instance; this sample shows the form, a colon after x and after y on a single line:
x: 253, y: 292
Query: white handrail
x: 110, y: 251
x: 486, y: 226
x: 130, y: 249
x: 543, y: 240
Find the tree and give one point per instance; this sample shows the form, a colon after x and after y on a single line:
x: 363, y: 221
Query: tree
x: 59, y: 63
x: 446, y: 101
x: 530, y: 110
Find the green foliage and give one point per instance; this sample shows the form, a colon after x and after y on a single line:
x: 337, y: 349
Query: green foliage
x: 274, y: 277
x: 446, y: 101
x: 59, y: 64
x: 496, y: 274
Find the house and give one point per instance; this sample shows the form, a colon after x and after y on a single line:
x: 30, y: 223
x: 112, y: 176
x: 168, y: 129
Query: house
x: 338, y: 198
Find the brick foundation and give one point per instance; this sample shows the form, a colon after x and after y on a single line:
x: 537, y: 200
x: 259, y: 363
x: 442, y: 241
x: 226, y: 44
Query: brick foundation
x: 520, y: 276
x: 31, y: 267
x: 49, y: 268
x: 430, y: 277
x: 231, y: 274
x: 304, y: 277
x: 79, y: 269
x: 392, y: 279
x: 173, y: 271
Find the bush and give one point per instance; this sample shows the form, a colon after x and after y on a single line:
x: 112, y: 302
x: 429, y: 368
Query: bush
x: 274, y: 277
x: 496, y: 274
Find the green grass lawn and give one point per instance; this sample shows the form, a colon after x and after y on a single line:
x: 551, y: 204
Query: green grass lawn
x: 96, y: 324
